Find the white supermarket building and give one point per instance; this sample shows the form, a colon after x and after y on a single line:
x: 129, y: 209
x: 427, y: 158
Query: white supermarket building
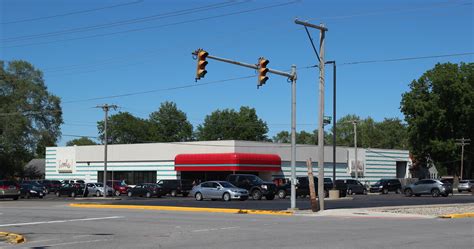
x: 214, y: 160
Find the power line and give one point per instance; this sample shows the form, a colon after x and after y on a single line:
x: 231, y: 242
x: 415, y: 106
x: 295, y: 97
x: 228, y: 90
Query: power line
x: 71, y: 13
x: 159, y: 90
x: 125, y: 22
x: 380, y: 12
x: 159, y: 26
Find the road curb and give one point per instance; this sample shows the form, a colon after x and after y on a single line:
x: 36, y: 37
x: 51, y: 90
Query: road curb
x: 457, y: 216
x: 185, y: 209
x: 12, y: 237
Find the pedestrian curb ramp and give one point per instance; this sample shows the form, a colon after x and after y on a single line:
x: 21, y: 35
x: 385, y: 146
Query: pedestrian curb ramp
x: 12, y: 238
x: 185, y: 209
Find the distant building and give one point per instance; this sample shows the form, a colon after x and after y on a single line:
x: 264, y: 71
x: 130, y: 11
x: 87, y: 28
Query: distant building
x: 206, y: 160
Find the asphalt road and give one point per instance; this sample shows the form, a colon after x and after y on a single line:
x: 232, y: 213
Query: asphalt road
x: 358, y: 201
x: 53, y: 224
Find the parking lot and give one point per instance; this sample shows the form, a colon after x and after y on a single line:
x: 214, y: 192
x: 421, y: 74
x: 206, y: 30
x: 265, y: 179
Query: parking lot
x: 354, y: 201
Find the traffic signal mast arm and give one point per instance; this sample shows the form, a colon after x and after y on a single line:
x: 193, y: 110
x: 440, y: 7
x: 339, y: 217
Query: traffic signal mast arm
x: 253, y: 66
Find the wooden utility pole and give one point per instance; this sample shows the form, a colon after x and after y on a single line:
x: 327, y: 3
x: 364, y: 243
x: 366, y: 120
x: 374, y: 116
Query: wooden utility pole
x: 312, y: 193
x: 463, y: 142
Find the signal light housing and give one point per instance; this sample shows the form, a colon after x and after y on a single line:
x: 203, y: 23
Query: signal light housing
x: 201, y: 63
x: 262, y: 71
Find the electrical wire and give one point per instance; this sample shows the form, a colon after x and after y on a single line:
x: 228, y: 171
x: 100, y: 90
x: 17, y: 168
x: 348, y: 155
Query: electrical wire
x: 71, y: 13
x: 160, y: 26
x: 125, y: 22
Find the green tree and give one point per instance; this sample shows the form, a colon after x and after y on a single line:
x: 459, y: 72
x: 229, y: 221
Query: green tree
x: 124, y: 128
x: 30, y: 116
x: 439, y: 108
x: 81, y: 141
x: 229, y: 124
x: 169, y: 124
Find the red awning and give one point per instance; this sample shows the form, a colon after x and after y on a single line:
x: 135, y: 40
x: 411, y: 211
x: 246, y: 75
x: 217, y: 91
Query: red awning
x: 227, y: 162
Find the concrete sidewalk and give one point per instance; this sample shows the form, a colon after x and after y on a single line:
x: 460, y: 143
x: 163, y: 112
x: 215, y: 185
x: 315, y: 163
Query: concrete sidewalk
x: 361, y: 213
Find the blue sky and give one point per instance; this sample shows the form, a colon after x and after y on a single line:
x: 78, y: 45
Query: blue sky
x: 156, y: 54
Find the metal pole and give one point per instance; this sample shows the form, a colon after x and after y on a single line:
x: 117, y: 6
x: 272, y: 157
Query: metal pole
x: 293, y: 137
x: 355, y: 150
x: 106, y: 110
x: 321, y: 123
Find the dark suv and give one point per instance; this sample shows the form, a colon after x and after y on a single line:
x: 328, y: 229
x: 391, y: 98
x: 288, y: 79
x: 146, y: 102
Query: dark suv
x: 386, y: 185
x: 256, y: 186
x: 302, y: 188
x: 176, y: 187
x: 353, y: 186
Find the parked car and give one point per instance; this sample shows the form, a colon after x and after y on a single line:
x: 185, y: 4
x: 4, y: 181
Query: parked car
x: 119, y: 187
x: 465, y: 185
x: 219, y: 190
x: 30, y: 190
x: 37, y: 184
x: 176, y: 187
x: 302, y: 188
x: 72, y: 190
x: 254, y: 185
x: 386, y: 185
x: 51, y: 185
x: 146, y: 190
x: 9, y: 189
x: 431, y: 187
x: 352, y: 186
x: 97, y: 188
x: 72, y: 181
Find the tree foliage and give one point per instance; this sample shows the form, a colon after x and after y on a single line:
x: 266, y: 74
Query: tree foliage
x: 169, y: 124
x: 124, y: 128
x: 439, y: 108
x: 302, y: 137
x: 229, y: 124
x: 30, y: 117
x: 81, y: 141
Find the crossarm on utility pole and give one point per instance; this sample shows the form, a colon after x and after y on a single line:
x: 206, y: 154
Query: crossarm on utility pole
x: 307, y: 24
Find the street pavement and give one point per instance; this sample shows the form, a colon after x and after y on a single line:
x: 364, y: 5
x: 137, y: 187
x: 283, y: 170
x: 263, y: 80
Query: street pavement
x: 357, y: 201
x: 54, y: 224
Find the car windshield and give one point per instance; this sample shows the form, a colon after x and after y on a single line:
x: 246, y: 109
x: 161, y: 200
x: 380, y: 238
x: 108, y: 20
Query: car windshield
x: 256, y: 180
x: 327, y: 180
x: 227, y: 185
x: 463, y: 181
x: 99, y: 184
x: 122, y: 183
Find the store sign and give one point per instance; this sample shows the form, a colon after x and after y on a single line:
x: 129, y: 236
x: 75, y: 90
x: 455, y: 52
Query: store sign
x: 66, y: 159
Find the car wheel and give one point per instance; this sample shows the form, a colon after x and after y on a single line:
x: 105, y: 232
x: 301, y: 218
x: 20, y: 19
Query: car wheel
x: 198, y: 196
x: 460, y: 191
x: 148, y: 195
x: 408, y: 192
x: 129, y: 194
x: 41, y: 197
x: 417, y: 195
x: 385, y: 191
x: 398, y: 191
x: 97, y: 193
x: 226, y: 197
x: 15, y: 198
x: 446, y: 195
x: 281, y: 194
x: 73, y: 194
x: 270, y: 197
x: 174, y: 193
x: 349, y: 191
x: 257, y: 194
x: 117, y: 193
x: 435, y: 192
x: 58, y: 194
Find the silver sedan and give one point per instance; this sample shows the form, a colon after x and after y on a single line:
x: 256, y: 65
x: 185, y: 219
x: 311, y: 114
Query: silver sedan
x: 219, y: 190
x: 97, y: 189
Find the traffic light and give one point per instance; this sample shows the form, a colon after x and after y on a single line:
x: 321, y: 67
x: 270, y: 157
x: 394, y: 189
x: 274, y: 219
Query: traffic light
x: 201, y: 63
x: 262, y: 71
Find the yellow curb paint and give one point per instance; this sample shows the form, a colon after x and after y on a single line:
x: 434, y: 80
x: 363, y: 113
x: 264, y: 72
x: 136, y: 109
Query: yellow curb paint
x: 457, y: 216
x: 185, y: 209
x: 12, y: 237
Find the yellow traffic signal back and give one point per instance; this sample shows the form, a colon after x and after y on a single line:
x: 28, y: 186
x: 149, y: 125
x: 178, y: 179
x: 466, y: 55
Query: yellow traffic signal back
x: 201, y: 64
x: 262, y: 71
